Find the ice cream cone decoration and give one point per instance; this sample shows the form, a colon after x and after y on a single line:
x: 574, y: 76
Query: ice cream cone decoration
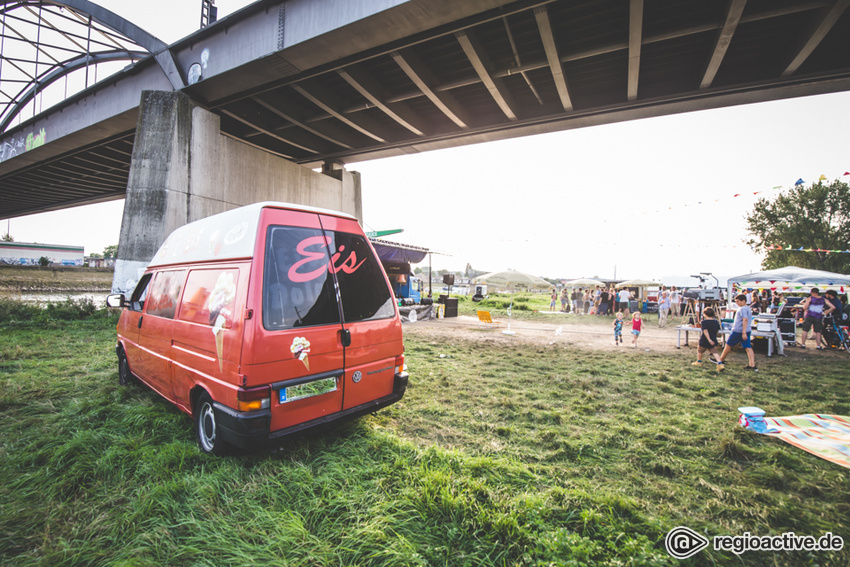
x: 300, y: 349
x: 218, y: 333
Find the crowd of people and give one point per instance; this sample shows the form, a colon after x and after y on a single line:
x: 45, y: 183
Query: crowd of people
x: 608, y: 301
x: 589, y: 301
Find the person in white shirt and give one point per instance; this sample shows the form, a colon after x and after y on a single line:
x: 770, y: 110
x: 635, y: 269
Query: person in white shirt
x: 675, y: 299
x: 623, y: 298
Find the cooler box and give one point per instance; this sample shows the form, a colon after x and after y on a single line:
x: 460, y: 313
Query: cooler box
x: 765, y: 322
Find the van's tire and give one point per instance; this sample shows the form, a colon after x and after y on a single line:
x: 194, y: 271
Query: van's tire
x: 206, y: 428
x: 125, y: 377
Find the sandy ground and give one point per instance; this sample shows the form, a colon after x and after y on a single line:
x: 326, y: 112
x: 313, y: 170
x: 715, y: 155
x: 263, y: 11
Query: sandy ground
x: 593, y: 337
x: 559, y: 332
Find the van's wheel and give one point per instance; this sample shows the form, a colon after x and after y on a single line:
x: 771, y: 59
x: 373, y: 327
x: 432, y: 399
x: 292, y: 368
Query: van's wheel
x: 125, y: 377
x: 206, y: 427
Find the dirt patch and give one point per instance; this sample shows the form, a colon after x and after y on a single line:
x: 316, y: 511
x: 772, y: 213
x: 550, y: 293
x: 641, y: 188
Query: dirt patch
x: 594, y: 337
x: 588, y: 335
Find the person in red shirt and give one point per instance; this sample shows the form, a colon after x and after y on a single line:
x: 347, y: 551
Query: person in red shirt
x: 636, y: 325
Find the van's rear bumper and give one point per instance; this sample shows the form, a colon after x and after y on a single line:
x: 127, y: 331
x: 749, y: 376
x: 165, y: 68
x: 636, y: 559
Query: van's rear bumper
x: 250, y: 430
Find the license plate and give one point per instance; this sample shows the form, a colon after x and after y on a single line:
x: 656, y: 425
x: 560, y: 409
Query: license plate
x: 308, y: 390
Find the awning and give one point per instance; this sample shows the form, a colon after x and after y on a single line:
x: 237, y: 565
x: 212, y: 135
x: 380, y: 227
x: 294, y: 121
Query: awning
x: 397, y: 253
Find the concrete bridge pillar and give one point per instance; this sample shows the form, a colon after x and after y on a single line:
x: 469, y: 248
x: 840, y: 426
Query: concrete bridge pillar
x: 183, y: 169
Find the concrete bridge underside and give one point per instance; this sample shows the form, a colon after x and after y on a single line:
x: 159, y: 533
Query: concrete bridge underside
x: 312, y: 83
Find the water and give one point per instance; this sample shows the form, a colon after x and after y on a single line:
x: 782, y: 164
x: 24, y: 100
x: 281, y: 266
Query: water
x: 98, y: 298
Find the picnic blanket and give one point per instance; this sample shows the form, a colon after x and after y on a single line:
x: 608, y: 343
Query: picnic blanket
x: 825, y: 436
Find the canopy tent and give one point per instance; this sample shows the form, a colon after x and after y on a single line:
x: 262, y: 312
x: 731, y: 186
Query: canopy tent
x: 584, y: 282
x: 790, y: 277
x: 398, y: 253
x: 638, y: 283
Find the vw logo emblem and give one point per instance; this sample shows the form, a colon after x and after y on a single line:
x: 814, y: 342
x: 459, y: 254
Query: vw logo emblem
x: 357, y: 376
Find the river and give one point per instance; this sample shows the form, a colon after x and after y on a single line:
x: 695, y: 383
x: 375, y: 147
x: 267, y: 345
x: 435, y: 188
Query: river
x: 99, y: 298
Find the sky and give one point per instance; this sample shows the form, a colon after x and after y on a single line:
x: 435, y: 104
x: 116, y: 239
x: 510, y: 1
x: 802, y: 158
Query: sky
x: 650, y: 198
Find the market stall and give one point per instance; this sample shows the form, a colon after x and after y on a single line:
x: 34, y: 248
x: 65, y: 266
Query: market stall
x: 790, y: 279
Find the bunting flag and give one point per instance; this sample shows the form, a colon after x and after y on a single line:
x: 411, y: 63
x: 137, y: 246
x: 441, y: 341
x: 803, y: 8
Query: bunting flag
x: 783, y: 287
x: 674, y: 207
x: 800, y: 249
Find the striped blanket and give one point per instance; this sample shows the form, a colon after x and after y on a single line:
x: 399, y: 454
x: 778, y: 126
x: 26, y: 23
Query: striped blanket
x: 825, y: 436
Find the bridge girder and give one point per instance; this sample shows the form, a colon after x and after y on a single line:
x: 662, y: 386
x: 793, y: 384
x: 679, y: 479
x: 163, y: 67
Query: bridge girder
x: 318, y: 82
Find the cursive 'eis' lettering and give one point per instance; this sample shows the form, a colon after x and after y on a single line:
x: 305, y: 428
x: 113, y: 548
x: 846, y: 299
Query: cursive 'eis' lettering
x: 349, y: 265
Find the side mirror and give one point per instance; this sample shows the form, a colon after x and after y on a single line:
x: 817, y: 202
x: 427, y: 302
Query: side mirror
x: 115, y: 300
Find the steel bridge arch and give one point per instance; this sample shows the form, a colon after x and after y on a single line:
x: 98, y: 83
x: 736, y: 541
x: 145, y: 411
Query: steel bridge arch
x: 128, y: 42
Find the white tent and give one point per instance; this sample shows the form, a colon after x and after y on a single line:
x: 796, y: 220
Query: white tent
x: 791, y: 278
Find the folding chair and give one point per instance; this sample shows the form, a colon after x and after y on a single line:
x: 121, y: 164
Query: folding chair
x: 484, y: 317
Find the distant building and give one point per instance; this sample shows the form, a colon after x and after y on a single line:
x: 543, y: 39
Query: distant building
x: 28, y: 254
x: 97, y: 262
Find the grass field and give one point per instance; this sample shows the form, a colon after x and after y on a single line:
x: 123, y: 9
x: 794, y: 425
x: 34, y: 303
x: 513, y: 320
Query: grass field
x: 497, y: 455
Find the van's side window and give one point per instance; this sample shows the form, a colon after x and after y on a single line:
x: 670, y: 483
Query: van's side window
x: 362, y: 287
x: 165, y: 293
x: 298, y: 287
x: 137, y: 300
x: 209, y: 297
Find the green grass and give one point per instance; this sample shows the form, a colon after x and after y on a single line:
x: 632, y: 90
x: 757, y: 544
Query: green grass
x: 497, y: 455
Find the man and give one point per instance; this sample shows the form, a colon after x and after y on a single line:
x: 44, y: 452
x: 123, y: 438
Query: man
x: 838, y: 308
x: 741, y: 334
x: 578, y: 301
x: 814, y: 308
x: 603, y: 303
x: 675, y: 298
x: 624, y: 297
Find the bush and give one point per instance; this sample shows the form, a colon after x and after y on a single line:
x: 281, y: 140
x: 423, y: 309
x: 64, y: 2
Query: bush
x: 16, y: 312
x: 11, y: 310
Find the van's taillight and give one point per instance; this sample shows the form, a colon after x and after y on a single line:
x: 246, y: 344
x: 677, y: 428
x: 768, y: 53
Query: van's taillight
x: 250, y: 399
x: 399, y: 365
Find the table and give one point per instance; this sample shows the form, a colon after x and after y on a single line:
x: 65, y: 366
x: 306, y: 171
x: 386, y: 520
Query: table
x: 773, y: 337
x: 687, y: 329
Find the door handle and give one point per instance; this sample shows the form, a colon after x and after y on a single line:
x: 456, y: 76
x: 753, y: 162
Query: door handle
x: 140, y: 321
x: 345, y: 337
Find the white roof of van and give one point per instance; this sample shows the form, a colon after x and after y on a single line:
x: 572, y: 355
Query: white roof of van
x: 225, y: 236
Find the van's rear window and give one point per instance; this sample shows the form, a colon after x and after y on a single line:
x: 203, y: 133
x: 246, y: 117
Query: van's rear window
x: 362, y: 285
x: 298, y: 289
x: 298, y: 283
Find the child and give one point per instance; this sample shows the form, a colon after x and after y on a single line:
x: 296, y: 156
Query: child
x: 618, y: 328
x: 741, y: 333
x: 636, y: 324
x: 708, y: 337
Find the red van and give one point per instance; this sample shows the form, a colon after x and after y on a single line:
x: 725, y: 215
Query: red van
x: 264, y: 321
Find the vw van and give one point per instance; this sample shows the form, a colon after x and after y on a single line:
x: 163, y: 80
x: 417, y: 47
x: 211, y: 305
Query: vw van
x: 264, y: 321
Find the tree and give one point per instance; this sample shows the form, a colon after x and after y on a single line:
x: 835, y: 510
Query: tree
x: 815, y: 219
x: 111, y: 251
x: 7, y: 238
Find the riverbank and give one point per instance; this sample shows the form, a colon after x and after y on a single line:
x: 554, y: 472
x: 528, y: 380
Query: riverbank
x: 55, y: 279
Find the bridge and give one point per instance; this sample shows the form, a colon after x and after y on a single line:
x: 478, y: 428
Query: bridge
x: 299, y: 84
